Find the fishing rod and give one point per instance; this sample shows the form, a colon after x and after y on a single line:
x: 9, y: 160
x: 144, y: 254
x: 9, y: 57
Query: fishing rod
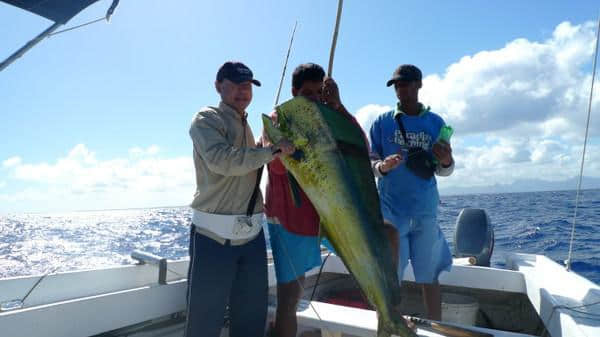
x: 335, y: 35
x: 261, y: 168
x: 285, y: 65
x: 20, y: 303
x: 329, y: 71
x: 587, y: 127
x: 446, y: 329
x: 282, y: 77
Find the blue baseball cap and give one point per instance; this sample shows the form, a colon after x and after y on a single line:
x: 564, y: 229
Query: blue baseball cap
x: 236, y: 72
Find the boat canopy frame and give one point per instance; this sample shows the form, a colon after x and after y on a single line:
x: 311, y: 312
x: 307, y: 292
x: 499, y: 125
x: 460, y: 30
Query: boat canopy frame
x: 58, y: 11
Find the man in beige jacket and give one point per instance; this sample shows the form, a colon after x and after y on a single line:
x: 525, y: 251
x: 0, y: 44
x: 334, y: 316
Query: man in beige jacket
x: 227, y: 246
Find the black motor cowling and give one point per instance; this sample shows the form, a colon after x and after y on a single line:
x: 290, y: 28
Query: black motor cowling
x: 474, y: 236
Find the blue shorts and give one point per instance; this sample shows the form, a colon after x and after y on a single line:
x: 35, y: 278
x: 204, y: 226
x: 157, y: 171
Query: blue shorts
x: 421, y: 239
x: 293, y: 254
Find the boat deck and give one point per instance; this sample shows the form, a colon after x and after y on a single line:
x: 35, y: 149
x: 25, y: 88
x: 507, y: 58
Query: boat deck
x: 534, y: 296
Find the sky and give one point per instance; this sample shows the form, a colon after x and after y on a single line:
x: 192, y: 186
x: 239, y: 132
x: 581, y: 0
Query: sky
x: 98, y: 117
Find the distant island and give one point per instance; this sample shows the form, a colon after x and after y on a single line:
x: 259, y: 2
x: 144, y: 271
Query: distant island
x: 525, y: 185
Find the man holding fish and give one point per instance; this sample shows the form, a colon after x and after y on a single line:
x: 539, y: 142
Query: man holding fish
x: 292, y: 219
x: 228, y: 264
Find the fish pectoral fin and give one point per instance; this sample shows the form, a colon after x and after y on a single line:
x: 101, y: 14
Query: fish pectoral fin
x: 294, y: 190
x: 298, y: 155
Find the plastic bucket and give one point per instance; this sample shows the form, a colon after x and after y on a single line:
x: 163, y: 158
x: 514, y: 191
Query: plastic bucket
x: 459, y: 309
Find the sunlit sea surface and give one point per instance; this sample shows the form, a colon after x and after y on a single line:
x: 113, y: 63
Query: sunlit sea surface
x: 537, y: 222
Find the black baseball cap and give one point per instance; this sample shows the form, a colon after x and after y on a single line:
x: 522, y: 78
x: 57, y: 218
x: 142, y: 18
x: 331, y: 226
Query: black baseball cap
x: 405, y: 73
x: 236, y: 72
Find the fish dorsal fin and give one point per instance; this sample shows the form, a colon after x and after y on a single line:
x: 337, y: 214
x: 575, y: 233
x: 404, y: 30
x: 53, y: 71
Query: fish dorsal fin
x: 345, y: 131
x: 353, y: 147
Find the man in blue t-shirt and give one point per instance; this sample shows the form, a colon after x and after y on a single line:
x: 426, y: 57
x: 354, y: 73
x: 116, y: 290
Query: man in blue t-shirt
x: 406, y: 155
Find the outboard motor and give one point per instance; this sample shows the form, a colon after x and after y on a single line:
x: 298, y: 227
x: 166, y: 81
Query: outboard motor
x: 474, y: 236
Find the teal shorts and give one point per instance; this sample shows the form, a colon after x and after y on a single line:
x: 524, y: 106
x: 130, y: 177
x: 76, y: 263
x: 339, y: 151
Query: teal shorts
x: 293, y: 254
x: 421, y: 240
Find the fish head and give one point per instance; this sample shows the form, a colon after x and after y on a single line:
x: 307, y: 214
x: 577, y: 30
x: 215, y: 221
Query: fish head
x: 271, y: 129
x: 300, y: 121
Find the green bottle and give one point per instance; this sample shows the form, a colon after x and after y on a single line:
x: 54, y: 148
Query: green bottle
x: 445, y: 133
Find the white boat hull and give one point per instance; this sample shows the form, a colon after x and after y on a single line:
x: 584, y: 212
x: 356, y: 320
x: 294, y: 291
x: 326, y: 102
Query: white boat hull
x: 87, y: 303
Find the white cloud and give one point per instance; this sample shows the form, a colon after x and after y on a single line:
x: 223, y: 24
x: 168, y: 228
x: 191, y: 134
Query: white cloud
x: 150, y: 151
x: 80, y: 180
x: 526, y: 102
x: 12, y: 161
x: 500, y: 161
x: 366, y: 115
x: 525, y: 81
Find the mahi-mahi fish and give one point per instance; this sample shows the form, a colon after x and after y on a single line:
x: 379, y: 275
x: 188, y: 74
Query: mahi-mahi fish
x: 332, y: 166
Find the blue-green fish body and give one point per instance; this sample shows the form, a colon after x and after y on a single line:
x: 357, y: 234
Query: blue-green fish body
x: 332, y: 166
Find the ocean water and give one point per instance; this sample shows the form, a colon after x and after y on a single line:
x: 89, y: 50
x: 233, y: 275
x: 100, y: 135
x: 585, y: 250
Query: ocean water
x: 537, y: 222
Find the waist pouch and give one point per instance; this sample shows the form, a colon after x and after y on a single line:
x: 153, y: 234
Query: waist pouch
x: 420, y: 162
x: 229, y: 227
